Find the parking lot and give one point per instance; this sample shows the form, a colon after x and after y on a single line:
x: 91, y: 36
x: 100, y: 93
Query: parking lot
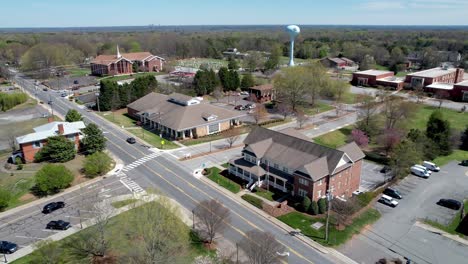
x: 396, y: 232
x: 371, y: 177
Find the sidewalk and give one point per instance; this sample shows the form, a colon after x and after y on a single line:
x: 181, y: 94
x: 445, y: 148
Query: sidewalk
x: 442, y: 233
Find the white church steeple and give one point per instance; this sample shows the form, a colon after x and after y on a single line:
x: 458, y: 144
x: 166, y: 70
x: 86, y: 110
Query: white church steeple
x: 118, y: 53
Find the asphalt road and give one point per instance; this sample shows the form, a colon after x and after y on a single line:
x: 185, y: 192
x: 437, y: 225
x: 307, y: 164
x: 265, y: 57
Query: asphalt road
x: 164, y: 174
x: 396, y: 234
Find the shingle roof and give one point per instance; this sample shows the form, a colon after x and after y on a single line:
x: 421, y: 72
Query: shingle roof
x: 50, y: 130
x: 179, y: 117
x: 353, y: 151
x: 297, y: 153
x: 133, y: 56
x: 263, y: 87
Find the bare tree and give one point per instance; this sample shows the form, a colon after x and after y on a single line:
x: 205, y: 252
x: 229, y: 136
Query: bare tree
x: 441, y: 96
x: 232, y: 135
x: 47, y: 251
x: 397, y: 110
x: 301, y: 118
x: 262, y: 247
x: 213, y: 217
x: 343, y: 210
x: 218, y: 94
x: 259, y: 113
x: 367, y: 111
x: 284, y: 109
x: 419, y: 93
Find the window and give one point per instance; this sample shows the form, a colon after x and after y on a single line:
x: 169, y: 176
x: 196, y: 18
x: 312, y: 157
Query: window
x: 271, y: 178
x: 339, y: 185
x: 303, y: 181
x: 37, y: 144
x: 276, y: 166
x: 302, y: 192
x: 320, y: 182
x: 279, y: 181
x: 319, y: 194
x: 213, y: 128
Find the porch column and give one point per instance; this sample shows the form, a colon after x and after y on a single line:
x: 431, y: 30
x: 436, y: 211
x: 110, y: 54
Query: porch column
x: 183, y: 134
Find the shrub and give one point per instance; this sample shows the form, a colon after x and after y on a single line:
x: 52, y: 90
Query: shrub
x: 52, y: 178
x: 365, y: 198
x: 322, y: 205
x: 97, y: 164
x: 5, y: 197
x: 8, y: 101
x: 257, y: 202
x: 306, y: 203
x: 314, y: 209
x: 19, y: 167
x: 18, y: 161
x: 58, y: 149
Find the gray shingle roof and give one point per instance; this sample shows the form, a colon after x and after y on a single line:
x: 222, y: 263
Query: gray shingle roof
x: 180, y: 117
x: 353, y: 151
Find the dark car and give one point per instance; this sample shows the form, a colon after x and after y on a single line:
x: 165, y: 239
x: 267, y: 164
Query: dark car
x: 49, y: 208
x: 7, y: 247
x: 450, y: 203
x: 385, y: 169
x: 44, y: 89
x: 392, y: 193
x: 75, y: 82
x: 58, y: 225
x: 50, y: 102
x: 131, y: 140
x: 464, y: 163
x: 239, y: 107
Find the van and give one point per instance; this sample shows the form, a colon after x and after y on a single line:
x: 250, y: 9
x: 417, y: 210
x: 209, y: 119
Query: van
x: 431, y: 166
x: 419, y: 172
x: 422, y: 168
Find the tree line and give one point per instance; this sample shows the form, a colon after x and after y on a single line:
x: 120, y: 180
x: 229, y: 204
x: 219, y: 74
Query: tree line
x: 10, y: 100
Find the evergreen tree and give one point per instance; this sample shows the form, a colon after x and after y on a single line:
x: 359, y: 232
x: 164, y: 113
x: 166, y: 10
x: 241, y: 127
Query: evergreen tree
x: 205, y: 81
x: 106, y: 93
x: 314, y: 209
x: 306, y: 203
x: 438, y: 130
x: 322, y: 205
x: 247, y: 81
x: 73, y: 116
x: 57, y: 149
x: 234, y: 80
x: 224, y: 76
x: 93, y: 140
x: 232, y: 64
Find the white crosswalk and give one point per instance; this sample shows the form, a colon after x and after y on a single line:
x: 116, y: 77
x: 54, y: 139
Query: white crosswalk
x: 130, y: 184
x: 139, y: 162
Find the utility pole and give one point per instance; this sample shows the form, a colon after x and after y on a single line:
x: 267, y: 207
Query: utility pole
x: 193, y: 219
x: 329, y: 198
x: 97, y: 98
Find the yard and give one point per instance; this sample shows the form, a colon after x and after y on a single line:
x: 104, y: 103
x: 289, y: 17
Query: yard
x: 319, y: 107
x: 335, y: 138
x: 451, y: 228
x: 78, y: 72
x: 336, y: 237
x: 457, y: 120
x: 119, y: 241
x: 213, y: 174
x: 21, y: 181
x: 130, y: 76
x: 121, y: 119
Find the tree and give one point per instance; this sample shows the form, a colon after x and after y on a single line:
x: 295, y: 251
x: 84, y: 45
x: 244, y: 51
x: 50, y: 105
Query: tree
x: 93, y: 140
x: 360, y: 137
x: 314, y: 209
x: 301, y: 118
x: 259, y: 113
x: 423, y: 144
x: 367, y: 63
x: 306, y: 203
x: 97, y: 164
x: 418, y: 92
x: 441, y: 96
x: 261, y: 247
x: 403, y: 156
x: 57, y: 149
x: 438, y: 130
x: 390, y: 138
x: 397, y: 110
x: 343, y: 210
x: 157, y: 234
x: 464, y: 139
x: 367, y: 111
x: 218, y: 94
x: 253, y: 61
x: 213, y: 217
x: 205, y: 81
x: 52, y: 178
x: 5, y: 197
x: 284, y: 109
x: 247, y: 81
x: 73, y: 116
x: 273, y: 60
x: 232, y: 135
x: 223, y: 75
x: 47, y: 252
x: 322, y: 205
x: 232, y: 64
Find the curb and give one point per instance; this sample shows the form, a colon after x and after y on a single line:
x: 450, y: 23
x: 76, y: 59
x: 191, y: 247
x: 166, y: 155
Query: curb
x: 442, y: 233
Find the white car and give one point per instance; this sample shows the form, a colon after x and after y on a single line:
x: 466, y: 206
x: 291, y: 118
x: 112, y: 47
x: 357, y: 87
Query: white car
x: 431, y: 166
x: 387, y: 200
x: 244, y: 93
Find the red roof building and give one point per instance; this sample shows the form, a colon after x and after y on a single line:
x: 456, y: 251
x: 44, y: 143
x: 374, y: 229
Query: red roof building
x: 124, y: 63
x: 377, y: 77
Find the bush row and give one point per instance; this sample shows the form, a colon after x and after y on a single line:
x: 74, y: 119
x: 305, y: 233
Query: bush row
x: 8, y: 101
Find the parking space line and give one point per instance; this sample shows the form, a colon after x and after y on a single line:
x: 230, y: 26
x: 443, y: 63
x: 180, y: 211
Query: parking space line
x: 38, y: 238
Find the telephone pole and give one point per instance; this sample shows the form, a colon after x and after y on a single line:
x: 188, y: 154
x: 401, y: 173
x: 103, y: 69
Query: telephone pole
x: 329, y: 199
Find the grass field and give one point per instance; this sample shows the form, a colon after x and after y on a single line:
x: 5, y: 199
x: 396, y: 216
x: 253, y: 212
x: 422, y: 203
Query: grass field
x: 319, y: 107
x: 456, y: 155
x: 123, y: 203
x: 78, y: 72
x: 133, y: 76
x: 119, y: 241
x: 335, y: 138
x: 336, y: 237
x: 222, y: 181
x: 450, y: 228
x: 121, y: 119
x: 457, y: 120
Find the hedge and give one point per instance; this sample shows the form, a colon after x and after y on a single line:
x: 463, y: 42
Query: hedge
x: 10, y: 100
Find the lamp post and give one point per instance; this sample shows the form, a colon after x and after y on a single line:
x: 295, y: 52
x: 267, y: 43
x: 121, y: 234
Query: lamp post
x: 329, y: 198
x: 97, y: 99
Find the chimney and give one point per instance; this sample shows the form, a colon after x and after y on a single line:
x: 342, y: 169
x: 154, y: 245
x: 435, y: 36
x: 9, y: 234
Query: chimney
x: 459, y: 75
x: 60, y: 129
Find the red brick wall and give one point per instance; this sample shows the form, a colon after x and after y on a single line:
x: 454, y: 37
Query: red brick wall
x: 154, y: 65
x: 371, y: 79
x: 322, y: 188
x: 457, y: 92
x: 347, y: 181
x: 29, y: 151
x: 132, y: 112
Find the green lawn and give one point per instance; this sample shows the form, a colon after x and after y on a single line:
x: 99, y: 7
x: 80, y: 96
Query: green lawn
x: 78, y: 72
x: 121, y: 119
x: 255, y: 201
x: 264, y: 193
x: 456, y: 155
x: 214, y: 175
x: 335, y: 138
x: 319, y: 107
x: 381, y: 68
x: 336, y: 237
x: 450, y: 228
x: 132, y: 76
x: 123, y: 203
x: 457, y: 120
x: 119, y: 241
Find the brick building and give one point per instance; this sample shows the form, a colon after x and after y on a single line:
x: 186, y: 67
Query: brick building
x: 179, y: 116
x: 126, y: 63
x: 434, y: 75
x: 261, y: 93
x: 31, y: 143
x: 293, y: 164
x: 456, y: 92
x: 377, y: 78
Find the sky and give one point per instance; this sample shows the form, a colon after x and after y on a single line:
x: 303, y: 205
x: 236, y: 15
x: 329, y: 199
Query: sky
x: 85, y: 13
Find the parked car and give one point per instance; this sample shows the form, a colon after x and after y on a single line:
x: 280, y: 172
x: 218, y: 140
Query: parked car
x: 63, y: 95
x: 58, y: 225
x: 450, y: 203
x: 239, y: 107
x: 464, y: 163
x: 250, y: 106
x: 244, y: 93
x: 50, y: 207
x: 385, y: 169
x: 392, y: 193
x: 422, y: 168
x: 419, y: 172
x: 7, y: 247
x: 431, y: 166
x: 75, y: 82
x: 387, y: 200
x: 44, y: 89
x: 50, y: 102
x: 131, y: 140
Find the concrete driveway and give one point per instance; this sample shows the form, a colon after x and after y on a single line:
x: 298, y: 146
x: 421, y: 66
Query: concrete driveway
x: 395, y: 233
x: 371, y: 176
